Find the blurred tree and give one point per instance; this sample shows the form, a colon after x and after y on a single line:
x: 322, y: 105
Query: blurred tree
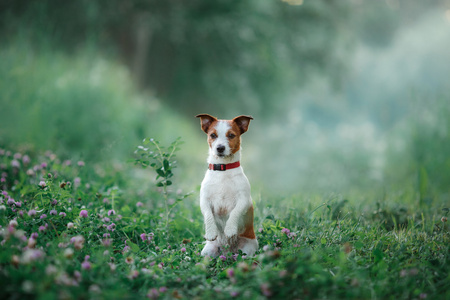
x: 198, y: 55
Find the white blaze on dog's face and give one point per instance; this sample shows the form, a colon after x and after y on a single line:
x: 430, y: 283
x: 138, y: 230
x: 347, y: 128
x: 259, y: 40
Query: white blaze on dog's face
x: 224, y: 136
x: 221, y: 140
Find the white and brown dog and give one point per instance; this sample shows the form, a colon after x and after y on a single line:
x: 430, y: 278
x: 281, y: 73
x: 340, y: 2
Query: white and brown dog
x: 225, y: 199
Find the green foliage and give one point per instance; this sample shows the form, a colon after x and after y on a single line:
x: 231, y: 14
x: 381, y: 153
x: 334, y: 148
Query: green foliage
x: 66, y: 233
x: 161, y: 160
x: 74, y: 105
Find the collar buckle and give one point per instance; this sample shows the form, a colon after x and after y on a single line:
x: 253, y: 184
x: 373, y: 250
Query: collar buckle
x: 219, y: 167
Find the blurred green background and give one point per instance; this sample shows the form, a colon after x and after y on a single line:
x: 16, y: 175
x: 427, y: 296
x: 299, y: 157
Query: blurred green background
x: 346, y: 95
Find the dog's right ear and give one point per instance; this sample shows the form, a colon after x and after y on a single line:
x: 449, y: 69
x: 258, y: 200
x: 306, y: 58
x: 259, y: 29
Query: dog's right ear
x: 206, y: 121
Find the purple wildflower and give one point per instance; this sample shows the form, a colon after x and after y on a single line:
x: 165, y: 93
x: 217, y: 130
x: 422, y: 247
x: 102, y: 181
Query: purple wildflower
x: 143, y: 237
x: 163, y: 289
x: 86, y: 265
x: 139, y: 204
x: 32, y: 212
x: 223, y: 257
x: 31, y: 243
x: 230, y: 273
x: 80, y: 163
x: 77, y: 182
x: 10, y: 201
x: 111, y: 212
x: 26, y: 159
x: 42, y: 184
x: 53, y: 212
x: 234, y: 294
x: 77, y: 276
x: 62, y: 214
x: 183, y: 249
x: 13, y: 223
x: 153, y: 294
x: 78, y: 242
x: 111, y: 227
x: 265, y: 290
x: 31, y: 255
x: 15, y: 163
x: 285, y: 230
x: 43, y: 216
x: 84, y: 213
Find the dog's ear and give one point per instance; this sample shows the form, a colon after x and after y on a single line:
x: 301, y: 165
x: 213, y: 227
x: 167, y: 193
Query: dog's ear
x: 243, y: 122
x: 206, y: 121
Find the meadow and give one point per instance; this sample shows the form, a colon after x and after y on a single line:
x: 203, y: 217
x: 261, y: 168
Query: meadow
x: 347, y: 154
x: 74, y: 231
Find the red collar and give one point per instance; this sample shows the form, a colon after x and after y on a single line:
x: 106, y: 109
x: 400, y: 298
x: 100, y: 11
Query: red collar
x: 224, y: 167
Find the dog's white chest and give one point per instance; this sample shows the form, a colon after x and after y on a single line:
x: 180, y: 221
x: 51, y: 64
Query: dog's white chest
x: 222, y: 190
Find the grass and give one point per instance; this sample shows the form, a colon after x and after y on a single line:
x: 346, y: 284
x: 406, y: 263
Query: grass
x: 72, y: 231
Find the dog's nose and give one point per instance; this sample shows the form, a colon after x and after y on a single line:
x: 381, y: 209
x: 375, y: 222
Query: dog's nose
x: 220, y: 148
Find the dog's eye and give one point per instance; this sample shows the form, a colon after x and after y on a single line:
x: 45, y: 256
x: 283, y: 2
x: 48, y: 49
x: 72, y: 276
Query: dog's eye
x: 231, y: 136
x: 213, y: 136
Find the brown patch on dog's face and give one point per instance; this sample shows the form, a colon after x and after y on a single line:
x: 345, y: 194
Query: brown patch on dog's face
x: 212, y: 134
x: 234, y: 137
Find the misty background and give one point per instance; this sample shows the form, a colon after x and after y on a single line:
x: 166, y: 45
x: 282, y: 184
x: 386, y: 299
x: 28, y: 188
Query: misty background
x: 346, y: 95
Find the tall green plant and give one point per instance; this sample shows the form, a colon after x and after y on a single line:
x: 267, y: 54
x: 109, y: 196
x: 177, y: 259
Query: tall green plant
x: 162, y: 160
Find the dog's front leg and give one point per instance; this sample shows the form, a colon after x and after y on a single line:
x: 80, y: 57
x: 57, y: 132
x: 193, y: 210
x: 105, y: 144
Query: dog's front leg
x: 232, y: 225
x: 211, y: 230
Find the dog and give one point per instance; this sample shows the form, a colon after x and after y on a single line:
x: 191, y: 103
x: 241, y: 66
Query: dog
x: 225, y: 199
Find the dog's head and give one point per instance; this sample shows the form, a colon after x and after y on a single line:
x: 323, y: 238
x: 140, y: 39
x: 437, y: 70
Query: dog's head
x: 224, y: 136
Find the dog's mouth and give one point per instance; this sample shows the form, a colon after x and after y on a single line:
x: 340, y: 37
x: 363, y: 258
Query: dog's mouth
x: 222, y: 155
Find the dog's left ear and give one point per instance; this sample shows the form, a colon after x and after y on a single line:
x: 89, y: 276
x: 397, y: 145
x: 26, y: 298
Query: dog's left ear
x: 243, y: 122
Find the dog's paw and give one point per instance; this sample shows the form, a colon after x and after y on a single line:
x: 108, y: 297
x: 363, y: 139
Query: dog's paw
x: 230, y: 230
x: 210, y: 235
x: 210, y: 250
